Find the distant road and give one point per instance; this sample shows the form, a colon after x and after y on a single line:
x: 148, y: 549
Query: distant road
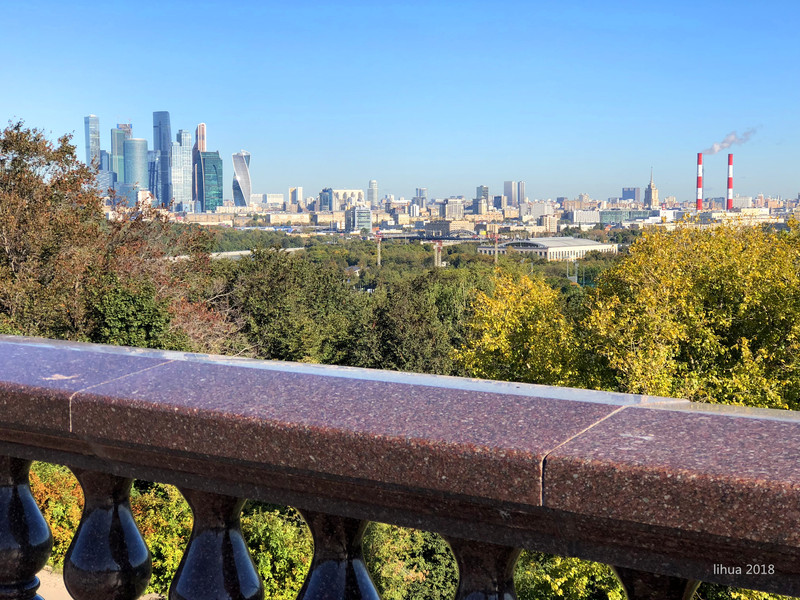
x: 233, y: 255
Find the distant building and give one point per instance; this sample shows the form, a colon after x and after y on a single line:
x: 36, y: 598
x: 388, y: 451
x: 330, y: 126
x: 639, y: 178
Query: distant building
x: 181, y: 171
x: 92, y: 129
x: 358, y: 218
x: 296, y: 196
x: 199, y: 146
x: 372, y: 194
x: 135, y: 155
x: 342, y: 198
x: 241, y: 178
x: 520, y: 193
x: 551, y: 249
x: 153, y: 171
x: 632, y: 193
x: 162, y: 144
x: 510, y: 192
x: 118, y: 137
x: 325, y: 203
x: 482, y: 193
x: 651, y: 194
x: 209, y: 182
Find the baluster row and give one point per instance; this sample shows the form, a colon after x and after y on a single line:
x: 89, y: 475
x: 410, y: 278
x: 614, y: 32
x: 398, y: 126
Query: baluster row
x: 108, y: 559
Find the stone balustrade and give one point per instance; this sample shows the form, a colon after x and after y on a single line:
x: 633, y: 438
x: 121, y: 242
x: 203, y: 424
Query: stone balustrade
x: 667, y: 492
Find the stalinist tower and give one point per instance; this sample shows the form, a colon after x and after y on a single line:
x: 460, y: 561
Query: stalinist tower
x: 651, y: 194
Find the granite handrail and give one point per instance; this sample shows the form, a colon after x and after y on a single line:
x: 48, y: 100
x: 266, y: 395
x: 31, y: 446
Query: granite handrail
x: 666, y: 491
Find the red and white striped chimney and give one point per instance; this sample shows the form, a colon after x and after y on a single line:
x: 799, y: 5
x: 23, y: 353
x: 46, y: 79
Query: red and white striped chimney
x: 699, y: 181
x: 730, y: 182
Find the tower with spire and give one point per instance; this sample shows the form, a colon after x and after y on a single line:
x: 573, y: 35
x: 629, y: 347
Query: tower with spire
x: 651, y: 194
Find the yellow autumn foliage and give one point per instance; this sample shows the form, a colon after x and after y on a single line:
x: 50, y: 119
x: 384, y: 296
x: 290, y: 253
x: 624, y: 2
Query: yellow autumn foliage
x: 520, y: 333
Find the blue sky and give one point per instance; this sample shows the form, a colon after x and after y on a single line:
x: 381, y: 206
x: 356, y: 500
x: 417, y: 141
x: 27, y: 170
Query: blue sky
x: 569, y: 96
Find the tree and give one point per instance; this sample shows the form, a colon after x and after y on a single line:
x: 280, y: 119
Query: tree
x: 711, y: 315
x: 520, y: 332
x: 50, y: 227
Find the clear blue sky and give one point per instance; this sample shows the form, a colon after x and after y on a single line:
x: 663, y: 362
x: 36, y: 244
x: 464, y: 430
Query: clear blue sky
x: 569, y: 96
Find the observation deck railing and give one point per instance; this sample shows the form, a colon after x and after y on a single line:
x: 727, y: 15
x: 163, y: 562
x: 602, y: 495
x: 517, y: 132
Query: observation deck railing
x: 669, y: 493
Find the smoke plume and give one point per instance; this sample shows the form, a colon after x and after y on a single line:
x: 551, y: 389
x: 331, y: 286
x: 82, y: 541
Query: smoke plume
x: 729, y: 141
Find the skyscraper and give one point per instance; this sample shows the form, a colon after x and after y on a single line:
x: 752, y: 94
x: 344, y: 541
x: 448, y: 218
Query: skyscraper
x: 651, y: 194
x: 153, y: 171
x: 296, y: 196
x: 510, y: 192
x: 162, y: 143
x: 135, y: 151
x: 119, y: 134
x: 181, y: 171
x: 372, y: 194
x: 136, y: 175
x: 92, y: 129
x: 520, y: 192
x: 241, y: 178
x: 482, y: 192
x: 199, y: 146
x: 209, y: 183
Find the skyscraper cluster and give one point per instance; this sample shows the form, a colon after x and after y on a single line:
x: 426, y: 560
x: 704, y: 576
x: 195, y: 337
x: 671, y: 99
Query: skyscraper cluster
x: 175, y: 174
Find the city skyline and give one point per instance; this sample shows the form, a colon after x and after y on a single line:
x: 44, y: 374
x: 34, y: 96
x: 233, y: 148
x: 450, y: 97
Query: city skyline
x: 601, y: 94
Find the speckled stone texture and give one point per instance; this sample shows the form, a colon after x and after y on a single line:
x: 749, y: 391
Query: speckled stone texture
x: 39, y: 377
x: 463, y: 442
x: 696, y: 471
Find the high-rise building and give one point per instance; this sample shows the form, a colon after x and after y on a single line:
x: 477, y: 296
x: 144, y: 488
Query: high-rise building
x: 510, y: 192
x: 209, y: 187
x: 651, y: 194
x: 119, y: 134
x: 199, y: 146
x: 181, y: 171
x: 296, y: 196
x: 520, y: 192
x: 358, y: 218
x: 421, y: 199
x: 632, y: 193
x: 482, y: 192
x: 325, y: 200
x: 162, y: 144
x: 92, y: 129
x: 135, y: 152
x: 105, y: 161
x: 153, y: 172
x: 241, y: 178
x: 372, y: 194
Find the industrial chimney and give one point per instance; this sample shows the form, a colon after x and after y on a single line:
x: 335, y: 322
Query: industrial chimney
x: 699, y: 181
x: 730, y: 182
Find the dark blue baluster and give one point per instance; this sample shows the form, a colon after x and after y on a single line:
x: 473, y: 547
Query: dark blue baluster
x: 337, y: 570
x: 216, y: 564
x: 107, y: 559
x: 641, y: 584
x: 486, y: 571
x: 25, y: 539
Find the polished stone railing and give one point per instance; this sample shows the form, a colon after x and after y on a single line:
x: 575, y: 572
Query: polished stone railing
x: 667, y: 492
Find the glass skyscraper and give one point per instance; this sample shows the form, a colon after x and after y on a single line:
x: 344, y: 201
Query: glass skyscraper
x: 162, y: 143
x: 181, y: 171
x: 118, y: 137
x: 135, y: 151
x: 241, y: 178
x: 92, y: 129
x: 209, y: 181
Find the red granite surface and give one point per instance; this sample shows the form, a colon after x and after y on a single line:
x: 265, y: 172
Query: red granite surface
x: 702, y: 471
x: 459, y: 441
x: 39, y: 377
